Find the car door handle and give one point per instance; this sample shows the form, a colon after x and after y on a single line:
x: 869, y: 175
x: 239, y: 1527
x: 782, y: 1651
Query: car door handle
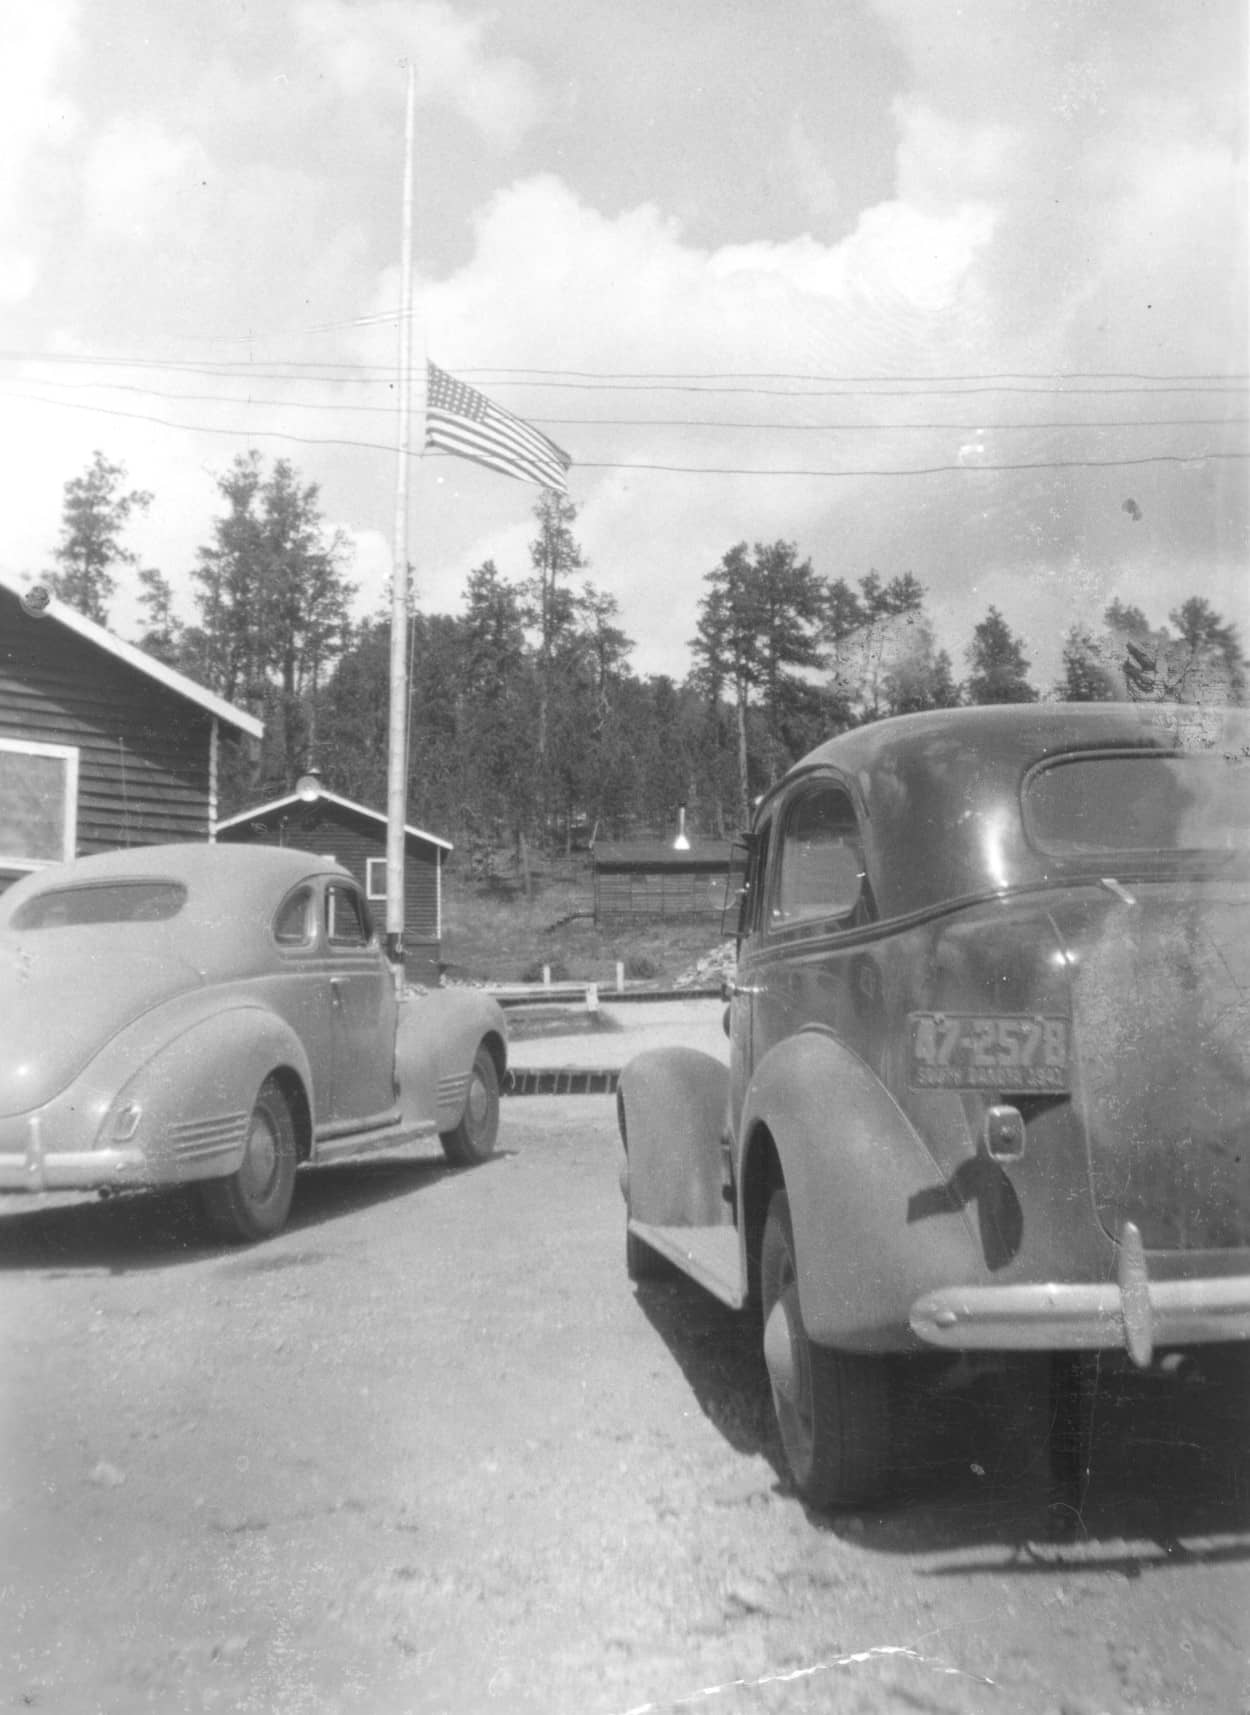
x: 731, y: 987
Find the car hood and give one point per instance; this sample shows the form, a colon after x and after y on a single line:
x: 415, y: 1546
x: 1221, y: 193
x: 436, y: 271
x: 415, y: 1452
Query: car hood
x: 66, y: 992
x: 1160, y: 996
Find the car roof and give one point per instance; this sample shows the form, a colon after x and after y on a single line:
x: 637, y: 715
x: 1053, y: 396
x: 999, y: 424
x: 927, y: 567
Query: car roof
x: 1032, y: 730
x: 232, y: 892
x: 931, y: 784
x: 197, y: 864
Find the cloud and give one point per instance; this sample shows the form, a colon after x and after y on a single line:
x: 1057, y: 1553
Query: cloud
x: 133, y: 175
x: 35, y: 116
x: 362, y: 48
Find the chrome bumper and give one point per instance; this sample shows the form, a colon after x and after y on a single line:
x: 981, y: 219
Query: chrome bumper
x: 36, y: 1167
x: 88, y: 1170
x: 1132, y: 1312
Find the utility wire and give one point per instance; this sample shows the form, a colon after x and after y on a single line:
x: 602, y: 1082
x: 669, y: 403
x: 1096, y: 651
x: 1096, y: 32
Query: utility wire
x: 870, y: 387
x: 980, y: 425
x: 627, y: 464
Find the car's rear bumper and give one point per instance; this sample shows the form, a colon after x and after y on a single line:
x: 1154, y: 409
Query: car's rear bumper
x: 1131, y: 1312
x: 99, y: 1169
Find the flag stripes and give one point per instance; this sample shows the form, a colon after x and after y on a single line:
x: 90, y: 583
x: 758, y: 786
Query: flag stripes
x: 464, y: 422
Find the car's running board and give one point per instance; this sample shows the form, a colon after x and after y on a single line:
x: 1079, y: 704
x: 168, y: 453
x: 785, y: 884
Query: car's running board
x: 707, y: 1254
x: 378, y: 1142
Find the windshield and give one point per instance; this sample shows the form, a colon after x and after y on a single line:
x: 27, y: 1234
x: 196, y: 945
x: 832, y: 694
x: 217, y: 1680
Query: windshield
x: 1139, y: 802
x: 102, y: 902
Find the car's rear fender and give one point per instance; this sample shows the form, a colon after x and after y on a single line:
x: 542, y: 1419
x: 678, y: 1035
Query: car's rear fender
x: 858, y: 1177
x: 672, y: 1108
x: 187, y: 1105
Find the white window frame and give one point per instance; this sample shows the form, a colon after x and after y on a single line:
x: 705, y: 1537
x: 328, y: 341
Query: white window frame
x: 68, y: 754
x: 372, y: 890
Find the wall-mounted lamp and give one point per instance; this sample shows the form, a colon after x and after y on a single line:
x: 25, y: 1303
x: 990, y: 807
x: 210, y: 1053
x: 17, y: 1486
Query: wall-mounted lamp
x: 681, y: 843
x: 36, y: 600
x: 308, y: 786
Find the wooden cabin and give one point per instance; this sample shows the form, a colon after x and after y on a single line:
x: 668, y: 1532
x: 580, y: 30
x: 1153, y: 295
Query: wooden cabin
x: 639, y: 879
x: 101, y: 745
x: 322, y: 822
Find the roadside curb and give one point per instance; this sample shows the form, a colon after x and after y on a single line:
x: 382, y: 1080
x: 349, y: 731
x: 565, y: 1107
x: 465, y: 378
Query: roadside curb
x: 562, y: 1081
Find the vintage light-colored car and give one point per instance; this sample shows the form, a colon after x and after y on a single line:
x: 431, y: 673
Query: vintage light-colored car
x: 219, y: 1015
x: 989, y: 1088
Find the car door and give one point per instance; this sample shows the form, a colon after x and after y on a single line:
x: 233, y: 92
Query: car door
x: 363, y: 1009
x: 299, y: 986
x: 815, y: 892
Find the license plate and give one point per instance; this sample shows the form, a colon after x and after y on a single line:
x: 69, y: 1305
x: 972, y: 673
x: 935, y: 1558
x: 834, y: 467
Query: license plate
x: 1008, y: 1052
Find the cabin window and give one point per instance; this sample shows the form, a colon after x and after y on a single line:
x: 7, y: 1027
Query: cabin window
x: 38, y: 804
x: 375, y: 878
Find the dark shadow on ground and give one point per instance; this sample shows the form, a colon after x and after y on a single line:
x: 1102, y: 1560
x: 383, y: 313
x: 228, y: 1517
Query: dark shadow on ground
x: 1168, y: 1478
x: 527, y: 1024
x: 163, y: 1229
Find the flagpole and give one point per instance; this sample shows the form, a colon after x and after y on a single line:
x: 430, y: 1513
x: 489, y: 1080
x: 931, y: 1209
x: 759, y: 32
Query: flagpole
x: 397, y: 747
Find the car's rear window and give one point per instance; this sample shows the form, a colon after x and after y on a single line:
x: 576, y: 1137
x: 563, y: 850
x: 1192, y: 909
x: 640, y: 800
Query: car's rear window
x: 102, y: 902
x: 1140, y: 801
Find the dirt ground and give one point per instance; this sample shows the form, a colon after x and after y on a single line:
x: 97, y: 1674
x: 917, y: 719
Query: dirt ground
x: 429, y: 1450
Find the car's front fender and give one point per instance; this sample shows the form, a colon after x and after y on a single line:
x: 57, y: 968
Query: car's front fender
x: 672, y: 1111
x: 858, y: 1178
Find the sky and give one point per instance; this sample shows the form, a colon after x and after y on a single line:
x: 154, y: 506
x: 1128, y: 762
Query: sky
x: 804, y: 269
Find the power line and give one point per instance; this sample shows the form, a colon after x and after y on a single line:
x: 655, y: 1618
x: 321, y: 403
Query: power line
x: 921, y: 470
x: 252, y: 433
x: 870, y: 387
x: 980, y: 425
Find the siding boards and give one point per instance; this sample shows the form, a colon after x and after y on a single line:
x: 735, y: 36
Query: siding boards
x: 143, y: 750
x: 649, y: 882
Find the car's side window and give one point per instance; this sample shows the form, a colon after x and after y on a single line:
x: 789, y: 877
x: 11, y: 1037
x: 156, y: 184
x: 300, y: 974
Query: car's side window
x: 347, y: 917
x: 295, y: 925
x: 819, y: 867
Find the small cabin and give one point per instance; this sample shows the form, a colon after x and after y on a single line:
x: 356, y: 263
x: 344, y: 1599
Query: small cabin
x: 101, y: 745
x: 315, y: 820
x: 638, y: 879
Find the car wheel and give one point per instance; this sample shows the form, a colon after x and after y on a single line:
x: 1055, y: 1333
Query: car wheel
x: 832, y: 1407
x: 474, y: 1138
x: 255, y: 1200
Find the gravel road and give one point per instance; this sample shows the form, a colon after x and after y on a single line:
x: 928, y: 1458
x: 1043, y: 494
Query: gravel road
x: 428, y: 1450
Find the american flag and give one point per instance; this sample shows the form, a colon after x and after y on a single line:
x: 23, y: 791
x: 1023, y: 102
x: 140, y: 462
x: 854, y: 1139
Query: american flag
x: 460, y: 420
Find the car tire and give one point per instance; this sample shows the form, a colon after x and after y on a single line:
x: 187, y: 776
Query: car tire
x: 832, y: 1408
x: 254, y: 1201
x: 473, y: 1140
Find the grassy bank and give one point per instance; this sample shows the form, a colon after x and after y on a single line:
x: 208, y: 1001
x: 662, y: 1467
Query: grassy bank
x: 495, y: 934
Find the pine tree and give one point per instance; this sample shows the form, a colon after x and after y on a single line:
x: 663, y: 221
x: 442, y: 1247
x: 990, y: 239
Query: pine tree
x: 96, y: 510
x: 999, y: 667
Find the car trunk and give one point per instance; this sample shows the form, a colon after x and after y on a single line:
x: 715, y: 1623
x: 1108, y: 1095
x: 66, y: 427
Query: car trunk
x: 1159, y: 978
x: 64, y: 992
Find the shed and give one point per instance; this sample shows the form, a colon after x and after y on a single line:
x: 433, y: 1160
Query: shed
x: 322, y: 822
x: 101, y: 745
x: 650, y: 879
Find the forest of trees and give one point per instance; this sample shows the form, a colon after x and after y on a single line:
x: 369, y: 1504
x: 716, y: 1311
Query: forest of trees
x: 528, y: 726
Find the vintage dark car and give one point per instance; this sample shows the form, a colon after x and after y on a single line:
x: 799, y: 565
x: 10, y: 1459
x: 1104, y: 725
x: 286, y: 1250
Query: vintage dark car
x: 989, y: 1064
x: 218, y: 1015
